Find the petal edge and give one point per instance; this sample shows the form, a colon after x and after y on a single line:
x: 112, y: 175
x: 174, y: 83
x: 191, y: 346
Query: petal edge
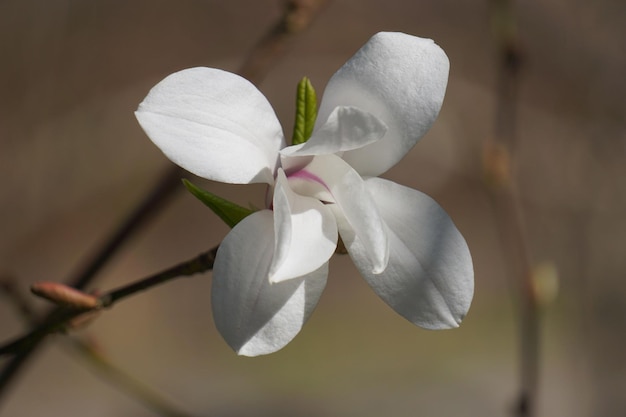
x: 399, y: 78
x: 214, y: 124
x: 429, y: 279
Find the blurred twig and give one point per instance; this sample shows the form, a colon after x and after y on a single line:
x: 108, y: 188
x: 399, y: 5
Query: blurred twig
x: 153, y: 202
x: 67, y: 313
x: 297, y: 15
x: 12, y: 293
x: 88, y: 351
x: 125, y: 382
x: 498, y: 169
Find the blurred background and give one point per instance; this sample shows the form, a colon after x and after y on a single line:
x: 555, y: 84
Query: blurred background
x: 74, y: 161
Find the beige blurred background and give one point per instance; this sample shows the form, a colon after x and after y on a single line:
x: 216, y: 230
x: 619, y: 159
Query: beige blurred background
x: 73, y: 161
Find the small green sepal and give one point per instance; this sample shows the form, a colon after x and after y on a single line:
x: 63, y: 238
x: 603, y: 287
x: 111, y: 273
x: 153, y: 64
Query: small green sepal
x: 228, y: 211
x: 306, y: 112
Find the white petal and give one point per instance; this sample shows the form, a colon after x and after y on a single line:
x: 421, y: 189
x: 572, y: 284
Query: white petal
x: 214, y: 124
x: 399, y: 78
x: 305, y: 233
x: 429, y: 279
x: 254, y: 316
x: 347, y: 128
x: 354, y: 205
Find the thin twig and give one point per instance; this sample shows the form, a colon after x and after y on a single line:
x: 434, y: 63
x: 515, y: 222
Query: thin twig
x: 85, y: 348
x: 20, y: 302
x: 155, y: 201
x: 147, y: 209
x: 505, y: 196
x: 126, y: 382
x: 58, y: 322
x: 297, y: 15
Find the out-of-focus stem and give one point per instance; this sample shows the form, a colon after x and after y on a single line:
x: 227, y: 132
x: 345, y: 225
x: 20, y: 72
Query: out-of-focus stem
x: 296, y: 17
x: 115, y: 375
x: 154, y: 201
x: 125, y: 382
x: 65, y: 315
x: 499, y: 159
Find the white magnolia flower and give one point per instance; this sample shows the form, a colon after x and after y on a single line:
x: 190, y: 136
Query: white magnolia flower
x: 271, y: 268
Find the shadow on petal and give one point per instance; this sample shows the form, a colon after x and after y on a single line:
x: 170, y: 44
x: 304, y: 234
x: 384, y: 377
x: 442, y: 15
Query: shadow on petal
x: 254, y: 316
x: 429, y: 279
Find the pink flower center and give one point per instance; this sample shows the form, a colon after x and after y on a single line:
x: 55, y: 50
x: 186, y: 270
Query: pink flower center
x: 306, y: 183
x: 309, y: 176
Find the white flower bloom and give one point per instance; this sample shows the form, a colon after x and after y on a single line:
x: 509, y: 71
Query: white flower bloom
x: 271, y: 268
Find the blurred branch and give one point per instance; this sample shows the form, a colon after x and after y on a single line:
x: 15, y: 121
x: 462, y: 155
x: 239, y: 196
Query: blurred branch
x: 67, y: 313
x: 296, y: 17
x: 20, y: 302
x: 125, y: 382
x: 154, y: 201
x: 509, y: 217
x: 87, y: 350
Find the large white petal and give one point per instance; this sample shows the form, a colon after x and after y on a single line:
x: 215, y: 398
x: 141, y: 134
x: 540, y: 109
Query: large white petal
x: 399, y: 78
x: 214, y: 124
x: 254, y: 316
x: 347, y: 128
x: 305, y: 233
x: 429, y: 278
x: 352, y: 203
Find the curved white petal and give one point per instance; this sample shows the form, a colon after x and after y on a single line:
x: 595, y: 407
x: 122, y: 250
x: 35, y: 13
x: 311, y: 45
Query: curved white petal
x: 399, y: 78
x: 347, y: 128
x: 254, y: 316
x: 214, y: 124
x: 430, y: 278
x: 353, y: 207
x: 305, y: 233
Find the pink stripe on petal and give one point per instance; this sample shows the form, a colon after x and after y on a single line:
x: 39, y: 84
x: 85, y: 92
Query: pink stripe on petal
x: 307, y: 175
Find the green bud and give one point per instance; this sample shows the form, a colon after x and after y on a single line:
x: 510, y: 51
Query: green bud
x: 306, y: 112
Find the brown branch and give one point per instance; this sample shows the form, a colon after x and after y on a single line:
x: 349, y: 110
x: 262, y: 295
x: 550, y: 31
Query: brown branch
x: 296, y: 17
x: 505, y: 195
x: 84, y: 347
x: 20, y: 302
x: 59, y: 322
x: 146, y: 210
x: 123, y: 381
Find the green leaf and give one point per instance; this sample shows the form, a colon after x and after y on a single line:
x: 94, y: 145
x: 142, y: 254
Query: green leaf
x: 306, y: 112
x: 228, y: 211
